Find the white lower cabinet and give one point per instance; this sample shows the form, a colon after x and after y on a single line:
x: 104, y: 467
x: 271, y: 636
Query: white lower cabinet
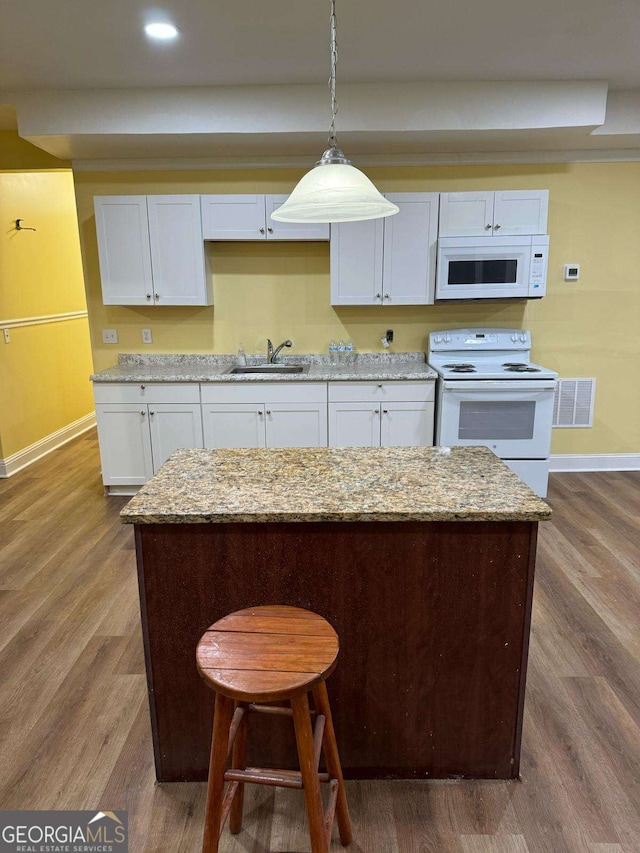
x: 138, y: 430
x: 141, y: 425
x: 381, y: 414
x: 265, y: 415
x: 125, y: 444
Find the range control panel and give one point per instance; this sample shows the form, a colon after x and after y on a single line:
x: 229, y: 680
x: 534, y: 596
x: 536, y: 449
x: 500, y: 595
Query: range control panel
x: 479, y: 339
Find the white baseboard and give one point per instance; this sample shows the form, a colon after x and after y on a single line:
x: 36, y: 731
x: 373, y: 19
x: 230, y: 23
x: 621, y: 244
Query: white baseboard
x: 595, y: 462
x: 17, y: 461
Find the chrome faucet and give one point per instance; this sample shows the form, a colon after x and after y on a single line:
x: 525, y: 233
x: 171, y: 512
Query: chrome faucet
x: 273, y: 354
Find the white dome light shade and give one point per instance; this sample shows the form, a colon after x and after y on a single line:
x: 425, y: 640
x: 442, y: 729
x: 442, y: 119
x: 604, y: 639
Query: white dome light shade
x: 161, y: 31
x: 334, y: 193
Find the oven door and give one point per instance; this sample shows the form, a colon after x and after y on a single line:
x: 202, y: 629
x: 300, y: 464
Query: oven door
x: 513, y: 418
x: 483, y: 268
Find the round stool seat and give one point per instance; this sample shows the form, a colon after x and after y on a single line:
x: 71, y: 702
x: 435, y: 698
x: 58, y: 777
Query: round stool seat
x: 266, y: 654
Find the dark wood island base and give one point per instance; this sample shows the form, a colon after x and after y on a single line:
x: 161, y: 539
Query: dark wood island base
x: 433, y: 619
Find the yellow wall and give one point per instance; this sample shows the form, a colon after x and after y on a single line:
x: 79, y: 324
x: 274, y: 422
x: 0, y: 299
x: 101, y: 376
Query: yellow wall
x: 17, y: 153
x: 585, y: 328
x: 44, y: 369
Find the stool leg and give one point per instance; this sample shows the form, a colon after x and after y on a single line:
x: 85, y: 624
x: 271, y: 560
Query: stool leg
x: 217, y: 767
x: 238, y: 762
x: 310, y: 780
x: 321, y: 700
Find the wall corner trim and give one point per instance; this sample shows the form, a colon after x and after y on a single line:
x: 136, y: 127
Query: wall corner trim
x: 595, y: 462
x: 17, y: 461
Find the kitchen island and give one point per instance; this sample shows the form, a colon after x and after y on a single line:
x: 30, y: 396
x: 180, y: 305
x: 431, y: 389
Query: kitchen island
x: 421, y: 558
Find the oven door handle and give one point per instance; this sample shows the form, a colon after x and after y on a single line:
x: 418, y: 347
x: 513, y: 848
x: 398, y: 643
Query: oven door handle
x: 502, y: 386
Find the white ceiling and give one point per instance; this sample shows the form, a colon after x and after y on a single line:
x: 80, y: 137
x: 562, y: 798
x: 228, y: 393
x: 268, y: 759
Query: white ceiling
x: 96, y: 45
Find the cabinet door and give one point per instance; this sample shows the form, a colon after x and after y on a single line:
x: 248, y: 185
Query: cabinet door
x: 407, y: 425
x: 233, y: 425
x: 173, y: 426
x: 292, y: 230
x: 296, y: 424
x: 177, y: 250
x: 520, y: 212
x: 466, y: 214
x: 356, y: 262
x: 354, y: 425
x: 233, y: 217
x: 125, y: 444
x: 410, y: 244
x: 123, y: 249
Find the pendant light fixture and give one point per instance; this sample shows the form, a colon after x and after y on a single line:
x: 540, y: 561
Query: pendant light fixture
x: 334, y: 190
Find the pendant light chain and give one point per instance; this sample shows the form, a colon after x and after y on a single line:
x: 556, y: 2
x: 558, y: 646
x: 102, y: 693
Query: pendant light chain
x: 334, y: 190
x: 333, y: 143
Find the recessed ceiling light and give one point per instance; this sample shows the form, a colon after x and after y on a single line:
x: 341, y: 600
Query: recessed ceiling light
x: 161, y: 31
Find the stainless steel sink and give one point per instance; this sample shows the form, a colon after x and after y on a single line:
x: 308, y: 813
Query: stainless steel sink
x: 271, y: 368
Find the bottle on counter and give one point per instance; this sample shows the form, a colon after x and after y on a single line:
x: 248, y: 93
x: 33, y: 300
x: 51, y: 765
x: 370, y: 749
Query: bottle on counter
x: 241, y: 358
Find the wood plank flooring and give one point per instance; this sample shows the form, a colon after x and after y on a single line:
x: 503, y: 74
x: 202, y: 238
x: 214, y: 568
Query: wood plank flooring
x: 74, y: 726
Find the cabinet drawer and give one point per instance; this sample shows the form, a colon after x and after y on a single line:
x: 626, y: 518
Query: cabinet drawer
x: 146, y: 392
x: 414, y: 391
x: 263, y: 392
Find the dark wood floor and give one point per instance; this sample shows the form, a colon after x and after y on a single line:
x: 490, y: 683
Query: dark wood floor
x: 74, y: 727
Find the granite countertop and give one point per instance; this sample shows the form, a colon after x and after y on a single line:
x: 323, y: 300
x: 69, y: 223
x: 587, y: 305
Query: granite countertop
x: 133, y: 367
x: 334, y: 484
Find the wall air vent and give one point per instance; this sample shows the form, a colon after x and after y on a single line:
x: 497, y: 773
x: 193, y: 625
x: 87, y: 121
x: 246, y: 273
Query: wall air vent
x: 573, y: 403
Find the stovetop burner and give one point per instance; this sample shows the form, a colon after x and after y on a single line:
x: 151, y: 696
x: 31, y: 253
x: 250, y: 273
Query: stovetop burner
x: 514, y: 364
x: 522, y: 368
x: 457, y: 364
x: 462, y: 368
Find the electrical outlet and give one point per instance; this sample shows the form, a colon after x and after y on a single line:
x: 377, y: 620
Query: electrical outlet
x: 146, y: 336
x: 109, y: 336
x: 7, y: 336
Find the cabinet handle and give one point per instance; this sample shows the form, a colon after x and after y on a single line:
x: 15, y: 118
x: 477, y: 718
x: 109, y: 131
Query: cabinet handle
x: 495, y: 227
x: 385, y: 411
x: 143, y: 413
x: 260, y: 413
x: 152, y: 413
x: 142, y: 387
x: 148, y: 296
x: 378, y: 296
x: 157, y: 296
x: 262, y: 230
x: 487, y: 227
x: 268, y: 411
x: 270, y: 230
x: 380, y: 386
x: 376, y: 411
x: 386, y: 296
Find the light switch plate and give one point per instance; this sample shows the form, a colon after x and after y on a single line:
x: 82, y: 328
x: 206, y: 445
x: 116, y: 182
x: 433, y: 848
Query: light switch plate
x: 109, y: 336
x: 147, y: 338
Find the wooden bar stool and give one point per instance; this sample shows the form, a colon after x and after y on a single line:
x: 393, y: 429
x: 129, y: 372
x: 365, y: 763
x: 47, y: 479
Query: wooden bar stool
x: 262, y: 655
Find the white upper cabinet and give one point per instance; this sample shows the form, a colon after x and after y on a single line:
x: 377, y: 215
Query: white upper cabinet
x: 151, y: 250
x: 387, y: 261
x: 520, y: 212
x: 501, y: 213
x: 410, y: 248
x: 233, y: 217
x: 122, y: 227
x: 177, y: 250
x: 356, y: 262
x: 248, y: 217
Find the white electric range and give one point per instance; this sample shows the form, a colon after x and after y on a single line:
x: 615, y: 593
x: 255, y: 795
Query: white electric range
x: 489, y: 392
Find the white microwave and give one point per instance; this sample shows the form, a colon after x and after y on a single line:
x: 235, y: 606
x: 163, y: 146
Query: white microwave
x: 492, y: 267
